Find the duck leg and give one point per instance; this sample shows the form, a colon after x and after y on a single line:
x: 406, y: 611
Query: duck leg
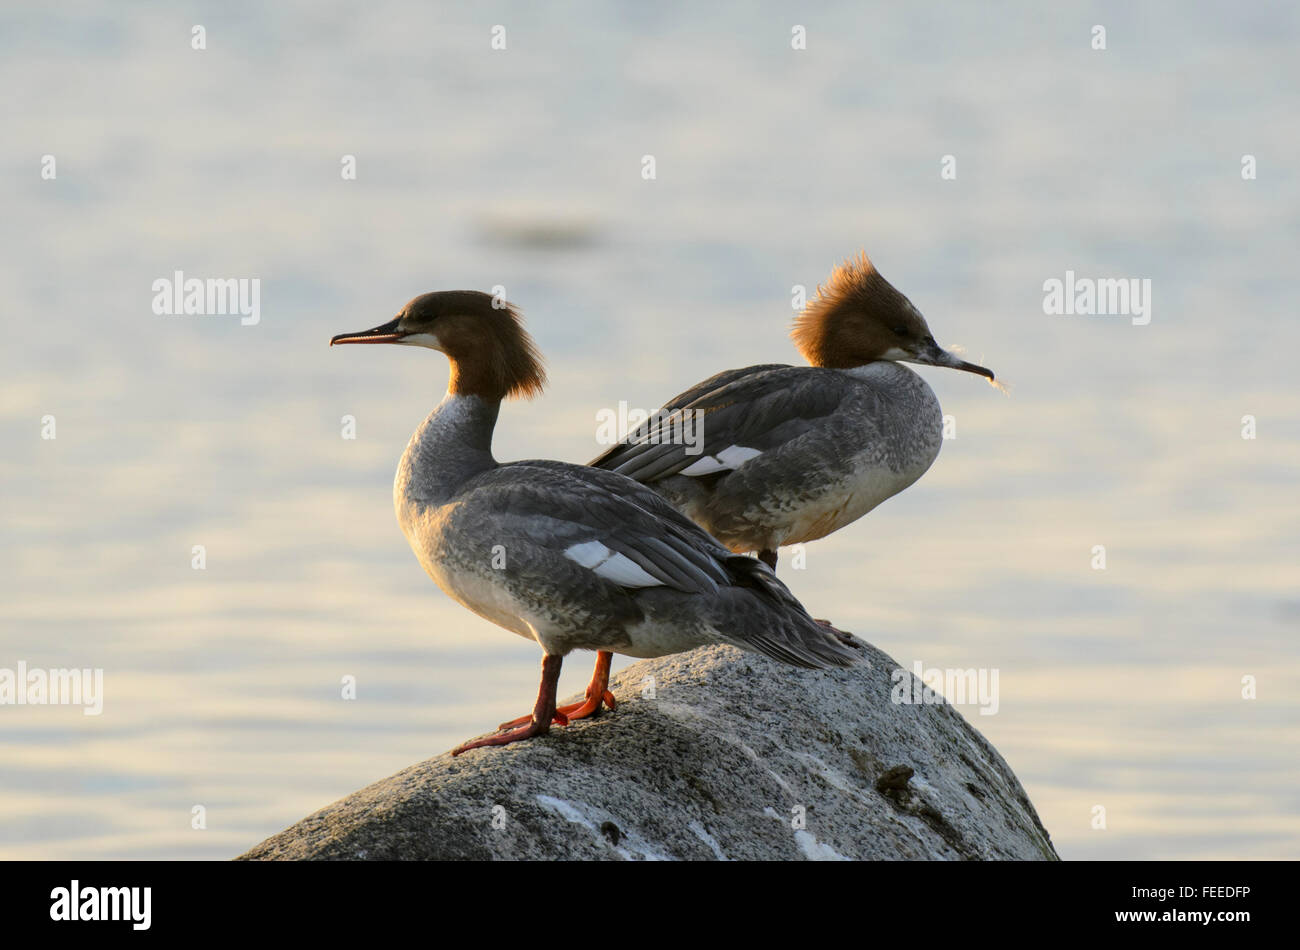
x: 597, y: 692
x: 535, y: 725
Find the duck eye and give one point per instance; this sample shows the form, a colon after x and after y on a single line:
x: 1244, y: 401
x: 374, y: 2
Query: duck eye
x: 900, y: 331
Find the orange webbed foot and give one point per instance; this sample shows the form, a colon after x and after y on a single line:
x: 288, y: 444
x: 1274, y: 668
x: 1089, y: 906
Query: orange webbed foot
x: 526, y: 731
x: 566, y: 714
x: 546, y: 712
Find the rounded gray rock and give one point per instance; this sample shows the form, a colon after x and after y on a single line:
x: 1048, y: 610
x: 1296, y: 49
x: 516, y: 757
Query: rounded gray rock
x: 730, y: 756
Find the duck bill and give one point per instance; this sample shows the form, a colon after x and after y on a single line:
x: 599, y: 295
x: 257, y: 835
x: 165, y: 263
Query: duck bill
x: 935, y: 355
x: 386, y: 333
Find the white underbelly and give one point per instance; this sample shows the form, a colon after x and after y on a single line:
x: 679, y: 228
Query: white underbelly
x: 476, y: 587
x: 489, y: 600
x: 844, y: 504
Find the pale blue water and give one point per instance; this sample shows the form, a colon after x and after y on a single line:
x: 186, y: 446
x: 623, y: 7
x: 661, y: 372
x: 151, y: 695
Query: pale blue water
x: 1119, y: 688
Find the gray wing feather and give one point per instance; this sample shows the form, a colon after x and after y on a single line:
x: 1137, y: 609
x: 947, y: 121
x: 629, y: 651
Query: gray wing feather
x: 565, y: 504
x: 639, y: 435
x: 579, y: 504
x: 761, y: 408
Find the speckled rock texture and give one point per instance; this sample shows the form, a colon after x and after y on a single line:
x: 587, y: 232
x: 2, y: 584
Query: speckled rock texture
x: 730, y: 756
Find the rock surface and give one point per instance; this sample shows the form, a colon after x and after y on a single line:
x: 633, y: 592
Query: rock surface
x: 734, y: 757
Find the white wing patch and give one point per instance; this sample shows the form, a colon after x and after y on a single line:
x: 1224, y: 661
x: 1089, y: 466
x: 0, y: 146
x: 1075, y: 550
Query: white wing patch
x: 610, y: 565
x: 732, y: 457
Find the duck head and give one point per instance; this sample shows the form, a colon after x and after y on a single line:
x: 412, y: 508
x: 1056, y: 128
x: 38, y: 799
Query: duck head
x: 491, y: 354
x: 858, y: 317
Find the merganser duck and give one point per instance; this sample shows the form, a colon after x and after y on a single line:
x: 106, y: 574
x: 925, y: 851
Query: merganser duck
x: 790, y: 454
x: 569, y: 556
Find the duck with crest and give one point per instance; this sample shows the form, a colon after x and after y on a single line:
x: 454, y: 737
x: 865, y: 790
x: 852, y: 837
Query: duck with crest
x: 789, y: 454
x: 569, y: 556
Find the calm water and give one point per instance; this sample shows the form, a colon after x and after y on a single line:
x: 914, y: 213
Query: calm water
x: 522, y: 168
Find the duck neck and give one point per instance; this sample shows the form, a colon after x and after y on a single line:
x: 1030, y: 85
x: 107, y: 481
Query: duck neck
x: 886, y: 372
x: 904, y: 388
x: 452, y: 445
